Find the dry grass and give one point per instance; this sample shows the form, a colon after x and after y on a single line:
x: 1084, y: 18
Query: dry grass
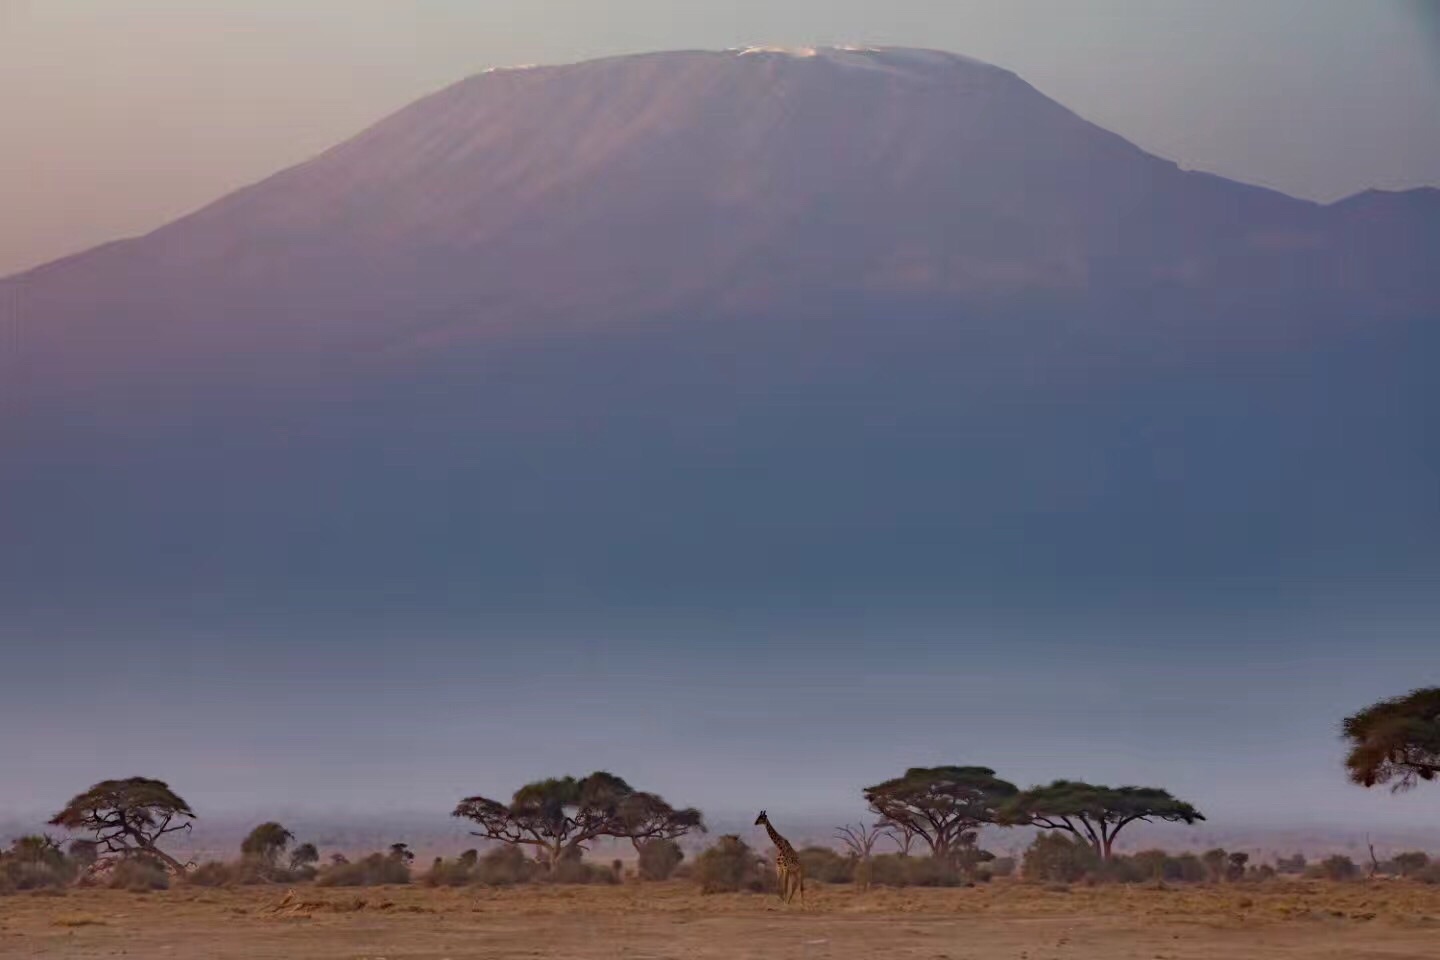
x: 1307, y: 919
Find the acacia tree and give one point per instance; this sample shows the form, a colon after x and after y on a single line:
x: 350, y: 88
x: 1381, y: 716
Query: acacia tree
x: 561, y: 815
x: 1395, y: 741
x: 942, y: 805
x: 647, y: 817
x: 1095, y: 813
x: 266, y: 843
x: 129, y: 817
x: 304, y: 856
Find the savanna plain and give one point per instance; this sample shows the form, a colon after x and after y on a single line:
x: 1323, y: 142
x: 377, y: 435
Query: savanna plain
x: 649, y: 921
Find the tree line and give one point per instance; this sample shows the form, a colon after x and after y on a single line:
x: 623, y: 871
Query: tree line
x: 933, y: 814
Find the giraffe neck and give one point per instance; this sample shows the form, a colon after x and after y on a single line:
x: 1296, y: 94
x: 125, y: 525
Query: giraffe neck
x: 780, y: 842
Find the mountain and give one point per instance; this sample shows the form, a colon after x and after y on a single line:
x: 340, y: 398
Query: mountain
x: 762, y: 324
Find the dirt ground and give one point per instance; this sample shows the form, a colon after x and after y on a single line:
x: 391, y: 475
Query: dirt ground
x: 1314, y: 920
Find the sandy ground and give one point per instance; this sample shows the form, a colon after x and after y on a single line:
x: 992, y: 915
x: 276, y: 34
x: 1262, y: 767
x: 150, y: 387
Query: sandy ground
x: 1359, y: 921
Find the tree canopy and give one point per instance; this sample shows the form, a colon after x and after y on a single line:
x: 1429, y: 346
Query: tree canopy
x: 303, y: 856
x: 129, y: 817
x: 943, y: 805
x: 1395, y: 741
x: 646, y: 817
x: 1095, y: 813
x: 266, y: 842
x: 561, y: 815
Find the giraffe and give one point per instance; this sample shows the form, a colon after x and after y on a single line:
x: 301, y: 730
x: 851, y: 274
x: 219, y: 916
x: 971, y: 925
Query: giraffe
x: 788, y: 868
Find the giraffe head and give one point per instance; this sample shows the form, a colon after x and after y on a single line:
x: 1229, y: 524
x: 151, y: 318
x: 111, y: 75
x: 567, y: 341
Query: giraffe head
x: 761, y: 819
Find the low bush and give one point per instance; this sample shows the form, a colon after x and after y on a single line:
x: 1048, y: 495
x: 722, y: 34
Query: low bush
x: 1002, y: 867
x: 659, y: 859
x: 1338, y: 867
x: 449, y: 873
x: 139, y: 875
x: 376, y: 870
x: 824, y: 865
x: 1430, y: 873
x: 1118, y: 869
x: 898, y: 870
x: 36, y: 863
x: 1409, y: 864
x: 212, y: 873
x: 504, y: 867
x: 1056, y: 857
x: 573, y: 869
x: 247, y: 871
x: 1291, y: 866
x: 730, y: 866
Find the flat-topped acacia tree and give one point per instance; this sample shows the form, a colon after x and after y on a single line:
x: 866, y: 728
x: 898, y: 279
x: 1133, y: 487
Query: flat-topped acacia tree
x: 1094, y: 813
x: 129, y: 817
x: 941, y: 805
x: 1395, y: 741
x: 646, y: 816
x: 562, y: 814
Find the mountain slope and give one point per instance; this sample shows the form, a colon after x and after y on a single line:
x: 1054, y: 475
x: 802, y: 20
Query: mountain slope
x: 867, y: 319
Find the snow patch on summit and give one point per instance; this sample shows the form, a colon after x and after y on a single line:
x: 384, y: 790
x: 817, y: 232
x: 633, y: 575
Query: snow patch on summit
x: 895, y: 60
x: 797, y: 52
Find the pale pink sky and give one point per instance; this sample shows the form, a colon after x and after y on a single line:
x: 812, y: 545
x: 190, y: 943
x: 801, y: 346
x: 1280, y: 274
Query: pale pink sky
x: 118, y: 116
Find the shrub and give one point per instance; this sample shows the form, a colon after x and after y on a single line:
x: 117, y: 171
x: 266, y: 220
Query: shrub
x: 376, y: 870
x: 1430, y: 873
x: 1235, y: 866
x: 1214, y: 861
x: 573, y: 869
x: 36, y: 863
x: 1337, y: 867
x: 34, y: 876
x: 1190, y: 868
x: 1291, y: 866
x: 933, y: 872
x: 1409, y: 864
x: 504, y: 867
x: 1056, y: 857
x: 1156, y: 865
x: 211, y: 874
x: 247, y: 871
x: 303, y: 859
x: 968, y: 857
x: 448, y: 873
x: 824, y: 865
x: 897, y: 870
x: 659, y: 858
x: 864, y: 873
x: 1119, y: 869
x: 1002, y: 867
x: 729, y: 866
x: 139, y: 875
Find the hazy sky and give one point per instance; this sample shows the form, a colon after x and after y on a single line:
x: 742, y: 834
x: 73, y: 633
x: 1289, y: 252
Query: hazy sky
x: 119, y: 116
